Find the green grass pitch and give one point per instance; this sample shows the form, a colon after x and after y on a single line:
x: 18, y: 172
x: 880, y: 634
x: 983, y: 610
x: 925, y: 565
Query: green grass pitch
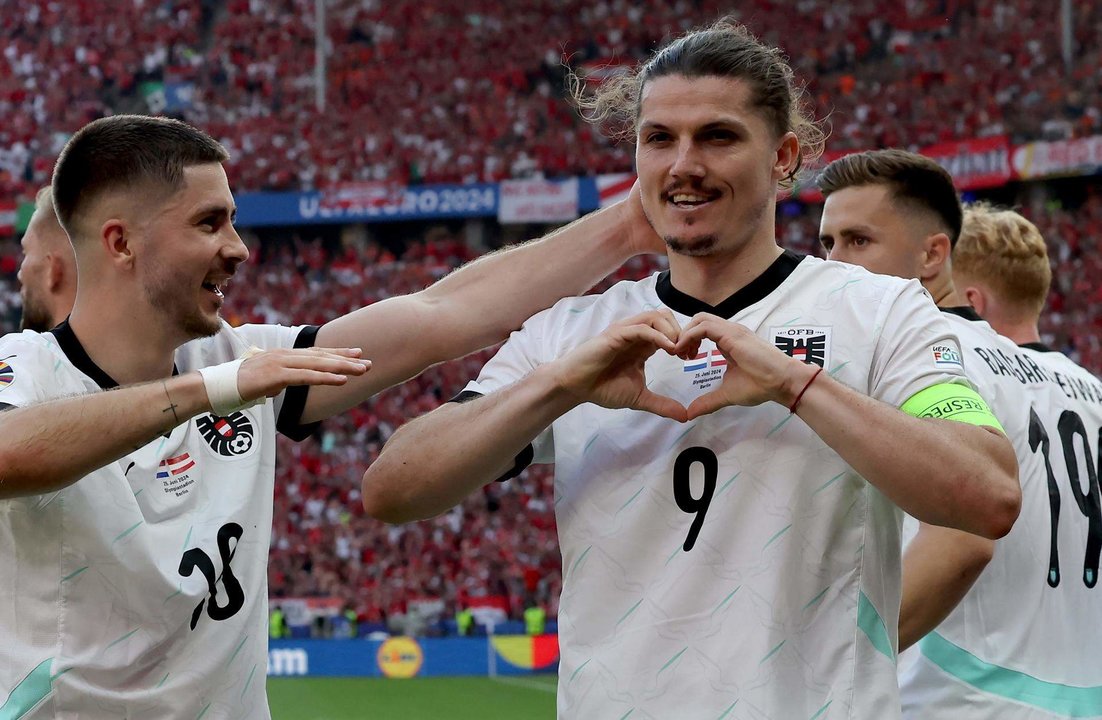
x: 453, y: 698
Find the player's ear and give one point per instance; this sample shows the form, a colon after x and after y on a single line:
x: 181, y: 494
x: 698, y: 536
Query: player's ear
x: 976, y: 298
x: 55, y: 271
x: 116, y: 239
x: 788, y: 157
x: 936, y: 252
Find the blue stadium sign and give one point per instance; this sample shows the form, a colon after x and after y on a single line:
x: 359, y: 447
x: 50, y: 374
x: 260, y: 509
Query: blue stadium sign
x: 423, y: 202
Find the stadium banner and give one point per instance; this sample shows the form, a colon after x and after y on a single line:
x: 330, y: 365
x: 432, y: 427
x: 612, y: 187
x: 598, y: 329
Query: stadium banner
x: 405, y: 657
x: 23, y: 217
x: 1082, y: 156
x: 9, y: 211
x: 613, y: 188
x: 975, y: 164
x: 367, y: 203
x: 537, y: 201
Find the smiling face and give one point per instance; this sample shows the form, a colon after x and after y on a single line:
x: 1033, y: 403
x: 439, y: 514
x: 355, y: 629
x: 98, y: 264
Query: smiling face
x: 864, y: 225
x: 708, y: 164
x: 191, y: 251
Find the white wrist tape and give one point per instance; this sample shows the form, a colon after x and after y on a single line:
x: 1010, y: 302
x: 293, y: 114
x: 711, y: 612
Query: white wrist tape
x: 220, y: 382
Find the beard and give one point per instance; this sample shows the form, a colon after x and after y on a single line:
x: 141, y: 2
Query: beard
x: 36, y: 316
x: 699, y: 246
x: 164, y: 293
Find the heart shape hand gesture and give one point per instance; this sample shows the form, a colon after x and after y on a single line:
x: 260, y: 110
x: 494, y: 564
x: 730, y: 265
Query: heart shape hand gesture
x: 608, y: 370
x: 757, y: 372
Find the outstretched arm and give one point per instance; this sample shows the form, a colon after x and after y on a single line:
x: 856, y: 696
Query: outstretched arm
x: 939, y: 567
x: 433, y: 462
x: 50, y: 445
x: 480, y: 304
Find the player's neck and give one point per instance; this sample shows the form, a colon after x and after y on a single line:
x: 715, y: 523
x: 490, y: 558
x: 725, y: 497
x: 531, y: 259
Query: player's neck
x: 135, y: 349
x: 1019, y: 332
x: 944, y: 293
x: 715, y: 278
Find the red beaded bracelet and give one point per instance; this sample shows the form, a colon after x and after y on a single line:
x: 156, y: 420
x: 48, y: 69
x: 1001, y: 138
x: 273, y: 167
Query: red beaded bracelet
x: 801, y: 395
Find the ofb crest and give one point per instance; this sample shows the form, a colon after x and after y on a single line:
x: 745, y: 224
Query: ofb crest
x: 807, y: 344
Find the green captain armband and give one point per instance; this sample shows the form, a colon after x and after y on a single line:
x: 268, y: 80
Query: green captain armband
x: 951, y: 402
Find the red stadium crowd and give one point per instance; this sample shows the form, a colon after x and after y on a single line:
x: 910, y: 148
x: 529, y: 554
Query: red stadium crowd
x: 431, y: 91
x: 421, y: 91
x: 500, y: 543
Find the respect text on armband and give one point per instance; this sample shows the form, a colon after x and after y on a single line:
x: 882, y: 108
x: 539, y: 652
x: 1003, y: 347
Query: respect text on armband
x: 949, y: 407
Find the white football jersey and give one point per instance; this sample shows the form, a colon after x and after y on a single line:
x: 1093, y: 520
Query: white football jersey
x: 734, y: 566
x: 140, y: 591
x: 1025, y: 643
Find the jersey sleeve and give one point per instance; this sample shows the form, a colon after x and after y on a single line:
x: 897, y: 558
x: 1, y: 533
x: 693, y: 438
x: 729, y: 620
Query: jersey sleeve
x: 522, y: 353
x: 25, y: 373
x: 290, y: 403
x: 916, y: 348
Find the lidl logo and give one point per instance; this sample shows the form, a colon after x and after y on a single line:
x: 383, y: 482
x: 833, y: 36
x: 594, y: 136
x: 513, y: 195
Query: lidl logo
x: 400, y: 657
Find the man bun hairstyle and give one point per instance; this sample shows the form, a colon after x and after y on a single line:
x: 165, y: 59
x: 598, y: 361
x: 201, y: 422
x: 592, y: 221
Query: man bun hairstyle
x: 725, y: 49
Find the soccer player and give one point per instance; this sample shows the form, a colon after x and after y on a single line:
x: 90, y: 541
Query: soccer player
x: 898, y: 213
x: 1036, y: 610
x: 135, y: 523
x: 48, y: 273
x: 726, y: 489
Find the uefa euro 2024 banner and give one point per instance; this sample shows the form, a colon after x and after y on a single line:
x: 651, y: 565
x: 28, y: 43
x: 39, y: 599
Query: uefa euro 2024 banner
x: 367, y: 202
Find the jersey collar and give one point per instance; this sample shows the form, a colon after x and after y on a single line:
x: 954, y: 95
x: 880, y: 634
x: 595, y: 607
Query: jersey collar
x: 965, y: 311
x: 758, y: 289
x: 1038, y: 346
x: 78, y: 356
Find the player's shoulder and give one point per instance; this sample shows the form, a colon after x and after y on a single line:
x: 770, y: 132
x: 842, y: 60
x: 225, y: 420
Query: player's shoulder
x: 1048, y: 357
x: 624, y: 299
x: 970, y: 327
x: 867, y: 293
x: 831, y: 272
x: 229, y: 343
x: 31, y: 348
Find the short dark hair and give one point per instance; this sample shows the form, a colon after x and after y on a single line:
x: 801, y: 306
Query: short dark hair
x: 914, y: 180
x: 725, y: 49
x: 126, y: 151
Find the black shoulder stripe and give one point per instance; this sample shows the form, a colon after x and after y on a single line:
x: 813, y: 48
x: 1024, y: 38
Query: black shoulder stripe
x: 294, y: 397
x: 524, y: 457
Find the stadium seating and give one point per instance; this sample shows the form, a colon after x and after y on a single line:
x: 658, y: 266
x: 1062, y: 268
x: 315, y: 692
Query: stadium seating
x: 432, y: 91
x: 422, y: 92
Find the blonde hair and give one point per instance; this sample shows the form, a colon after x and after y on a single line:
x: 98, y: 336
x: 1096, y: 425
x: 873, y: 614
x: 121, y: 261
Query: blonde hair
x: 1007, y: 253
x: 44, y: 200
x: 725, y: 49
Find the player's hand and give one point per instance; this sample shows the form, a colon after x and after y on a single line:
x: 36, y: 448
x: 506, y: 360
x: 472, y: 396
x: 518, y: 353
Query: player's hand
x: 269, y: 372
x: 608, y: 370
x: 642, y: 238
x: 757, y: 372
